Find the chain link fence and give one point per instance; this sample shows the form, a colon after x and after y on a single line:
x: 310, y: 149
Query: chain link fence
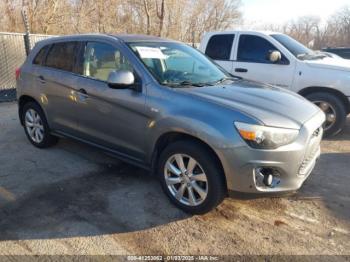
x: 12, y: 56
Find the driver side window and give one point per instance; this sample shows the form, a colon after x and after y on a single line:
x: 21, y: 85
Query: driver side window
x: 255, y: 49
x: 100, y: 59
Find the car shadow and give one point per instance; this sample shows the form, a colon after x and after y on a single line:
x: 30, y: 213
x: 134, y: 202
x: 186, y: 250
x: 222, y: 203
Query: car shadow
x: 329, y: 183
x: 122, y: 198
x: 329, y: 180
x: 115, y: 199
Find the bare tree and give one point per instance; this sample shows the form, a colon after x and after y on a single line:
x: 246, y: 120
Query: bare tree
x: 148, y: 15
x: 311, y: 31
x: 184, y: 20
x: 11, y: 18
x: 212, y: 15
x: 160, y: 15
x: 304, y: 29
x: 340, y: 27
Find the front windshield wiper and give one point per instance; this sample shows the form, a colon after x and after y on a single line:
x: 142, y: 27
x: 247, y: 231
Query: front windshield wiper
x: 302, y: 56
x: 222, y: 80
x: 187, y: 84
x: 311, y: 56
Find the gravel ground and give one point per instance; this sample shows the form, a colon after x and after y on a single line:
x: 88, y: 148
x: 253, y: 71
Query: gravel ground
x: 73, y: 199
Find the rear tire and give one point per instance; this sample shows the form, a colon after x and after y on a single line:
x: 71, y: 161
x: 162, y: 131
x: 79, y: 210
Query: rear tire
x: 36, y: 127
x: 204, y: 184
x: 332, y: 106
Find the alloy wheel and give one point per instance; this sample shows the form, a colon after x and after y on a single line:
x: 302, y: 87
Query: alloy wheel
x: 186, y: 179
x: 34, y: 126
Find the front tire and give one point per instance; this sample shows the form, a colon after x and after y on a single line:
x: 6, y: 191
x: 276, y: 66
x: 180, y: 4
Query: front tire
x: 191, y: 177
x: 36, y: 126
x: 334, y: 109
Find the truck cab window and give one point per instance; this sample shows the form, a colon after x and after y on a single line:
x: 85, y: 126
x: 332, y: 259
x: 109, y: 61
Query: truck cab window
x: 255, y: 49
x: 220, y: 46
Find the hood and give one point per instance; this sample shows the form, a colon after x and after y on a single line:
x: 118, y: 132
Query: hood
x: 270, y: 105
x: 330, y: 63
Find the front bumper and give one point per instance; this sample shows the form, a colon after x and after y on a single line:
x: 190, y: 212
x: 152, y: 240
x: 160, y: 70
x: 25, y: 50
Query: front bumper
x: 293, y: 163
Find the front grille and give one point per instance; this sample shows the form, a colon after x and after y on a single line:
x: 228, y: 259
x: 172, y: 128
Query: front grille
x: 311, y: 150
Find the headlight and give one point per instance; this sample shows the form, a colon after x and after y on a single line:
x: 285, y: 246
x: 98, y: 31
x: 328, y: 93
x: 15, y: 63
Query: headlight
x: 263, y: 137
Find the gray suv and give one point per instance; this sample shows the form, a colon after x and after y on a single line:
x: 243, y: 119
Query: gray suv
x: 166, y: 107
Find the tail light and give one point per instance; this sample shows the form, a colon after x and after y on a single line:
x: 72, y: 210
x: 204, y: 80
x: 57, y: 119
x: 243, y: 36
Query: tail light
x: 18, y: 73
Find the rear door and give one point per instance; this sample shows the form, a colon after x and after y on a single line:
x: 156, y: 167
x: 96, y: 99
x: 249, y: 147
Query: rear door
x: 56, y: 80
x: 252, y: 62
x: 220, y: 49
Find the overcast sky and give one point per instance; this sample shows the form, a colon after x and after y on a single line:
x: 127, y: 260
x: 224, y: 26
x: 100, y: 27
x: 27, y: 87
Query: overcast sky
x: 280, y: 11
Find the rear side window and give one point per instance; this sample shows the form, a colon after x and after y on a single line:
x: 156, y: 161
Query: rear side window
x: 62, y: 56
x: 256, y: 49
x: 219, y: 47
x: 40, y: 57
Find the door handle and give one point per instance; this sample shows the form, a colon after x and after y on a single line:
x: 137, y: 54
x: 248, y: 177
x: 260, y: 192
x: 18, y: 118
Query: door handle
x: 82, y: 91
x: 241, y: 70
x: 42, y: 79
x: 82, y: 95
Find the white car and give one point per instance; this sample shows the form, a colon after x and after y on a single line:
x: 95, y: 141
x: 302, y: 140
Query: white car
x: 279, y: 60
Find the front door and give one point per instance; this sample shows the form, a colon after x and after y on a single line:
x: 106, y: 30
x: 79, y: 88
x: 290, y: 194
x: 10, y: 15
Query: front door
x: 252, y: 62
x: 113, y: 118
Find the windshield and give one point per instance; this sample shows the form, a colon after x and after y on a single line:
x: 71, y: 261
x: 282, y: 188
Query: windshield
x: 176, y: 64
x: 292, y: 45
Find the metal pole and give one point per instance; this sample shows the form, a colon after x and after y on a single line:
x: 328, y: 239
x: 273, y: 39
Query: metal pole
x: 193, y: 39
x: 27, y: 32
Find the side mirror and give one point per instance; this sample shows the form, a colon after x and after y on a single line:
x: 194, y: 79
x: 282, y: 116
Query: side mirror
x: 275, y: 56
x: 121, y: 79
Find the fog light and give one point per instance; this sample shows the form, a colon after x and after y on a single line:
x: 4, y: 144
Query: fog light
x: 267, y: 177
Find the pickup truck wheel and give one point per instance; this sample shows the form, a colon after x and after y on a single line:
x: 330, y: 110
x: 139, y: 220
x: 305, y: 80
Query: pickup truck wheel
x: 190, y: 177
x: 334, y: 109
x: 36, y: 127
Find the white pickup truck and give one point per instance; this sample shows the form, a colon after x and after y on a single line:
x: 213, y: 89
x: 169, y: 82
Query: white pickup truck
x: 279, y: 60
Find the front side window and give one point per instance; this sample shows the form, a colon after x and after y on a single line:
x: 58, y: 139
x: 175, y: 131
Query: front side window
x: 101, y: 59
x: 62, y: 56
x: 255, y: 49
x: 177, y: 64
x: 219, y: 47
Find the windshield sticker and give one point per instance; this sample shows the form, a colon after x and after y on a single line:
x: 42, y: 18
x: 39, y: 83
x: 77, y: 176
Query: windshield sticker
x: 150, y: 52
